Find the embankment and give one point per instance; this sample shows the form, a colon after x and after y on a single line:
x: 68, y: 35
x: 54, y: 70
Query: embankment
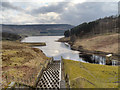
x: 21, y: 63
x: 86, y: 75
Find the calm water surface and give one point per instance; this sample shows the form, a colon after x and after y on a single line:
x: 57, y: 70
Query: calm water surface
x: 58, y: 49
x: 53, y: 48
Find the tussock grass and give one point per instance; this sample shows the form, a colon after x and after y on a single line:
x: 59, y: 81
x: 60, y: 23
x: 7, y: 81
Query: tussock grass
x: 86, y: 75
x: 19, y: 61
x: 106, y: 43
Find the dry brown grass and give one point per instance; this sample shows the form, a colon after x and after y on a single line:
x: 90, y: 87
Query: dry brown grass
x: 20, y: 62
x: 35, y: 44
x: 105, y: 43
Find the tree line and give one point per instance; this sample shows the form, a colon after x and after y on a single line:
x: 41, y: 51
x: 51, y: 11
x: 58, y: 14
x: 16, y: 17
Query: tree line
x: 100, y: 26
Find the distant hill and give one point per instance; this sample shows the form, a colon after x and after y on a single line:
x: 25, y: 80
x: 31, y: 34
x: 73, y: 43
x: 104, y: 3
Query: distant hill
x: 101, y: 26
x: 39, y: 29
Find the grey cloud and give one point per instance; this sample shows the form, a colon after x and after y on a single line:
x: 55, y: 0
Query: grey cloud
x: 79, y: 13
x: 8, y: 5
x: 87, y: 11
x: 56, y: 7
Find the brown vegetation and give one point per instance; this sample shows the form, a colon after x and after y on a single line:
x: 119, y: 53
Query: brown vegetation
x: 21, y: 63
x: 35, y: 44
x: 105, y: 43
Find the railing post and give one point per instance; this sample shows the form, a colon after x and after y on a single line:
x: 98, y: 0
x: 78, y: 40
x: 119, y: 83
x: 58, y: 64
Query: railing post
x: 51, y: 60
x: 61, y: 63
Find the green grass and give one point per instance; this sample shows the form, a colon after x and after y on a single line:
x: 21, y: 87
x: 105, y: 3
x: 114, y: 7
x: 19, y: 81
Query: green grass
x: 86, y: 75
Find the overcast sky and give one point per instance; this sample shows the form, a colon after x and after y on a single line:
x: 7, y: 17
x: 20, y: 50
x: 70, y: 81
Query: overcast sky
x: 72, y: 12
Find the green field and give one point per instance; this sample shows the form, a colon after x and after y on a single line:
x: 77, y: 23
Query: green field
x: 86, y: 75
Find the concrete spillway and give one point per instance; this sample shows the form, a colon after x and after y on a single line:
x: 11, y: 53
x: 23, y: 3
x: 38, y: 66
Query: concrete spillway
x: 51, y: 77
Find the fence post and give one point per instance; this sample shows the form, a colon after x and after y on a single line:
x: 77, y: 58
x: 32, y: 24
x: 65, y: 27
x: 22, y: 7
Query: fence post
x: 52, y: 59
x: 61, y: 63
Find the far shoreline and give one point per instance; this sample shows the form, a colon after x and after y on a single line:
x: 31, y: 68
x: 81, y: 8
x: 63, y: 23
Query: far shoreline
x: 84, y: 50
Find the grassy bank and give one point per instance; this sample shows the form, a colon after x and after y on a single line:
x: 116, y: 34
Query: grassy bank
x: 105, y: 43
x: 35, y: 44
x: 21, y: 63
x: 86, y: 75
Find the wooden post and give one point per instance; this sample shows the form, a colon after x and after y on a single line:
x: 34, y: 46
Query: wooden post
x: 51, y: 60
x: 61, y: 63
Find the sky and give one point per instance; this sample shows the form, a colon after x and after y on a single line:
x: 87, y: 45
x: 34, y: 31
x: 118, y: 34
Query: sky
x: 72, y: 12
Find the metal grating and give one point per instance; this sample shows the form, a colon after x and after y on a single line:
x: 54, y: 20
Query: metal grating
x: 51, y: 76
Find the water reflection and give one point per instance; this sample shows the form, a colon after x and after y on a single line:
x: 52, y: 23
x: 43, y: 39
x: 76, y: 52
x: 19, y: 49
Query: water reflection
x: 98, y: 59
x: 115, y: 62
x: 58, y: 49
x: 54, y: 49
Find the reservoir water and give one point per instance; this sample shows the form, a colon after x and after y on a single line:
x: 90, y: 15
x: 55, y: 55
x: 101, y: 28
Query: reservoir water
x: 57, y: 49
x: 53, y: 48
